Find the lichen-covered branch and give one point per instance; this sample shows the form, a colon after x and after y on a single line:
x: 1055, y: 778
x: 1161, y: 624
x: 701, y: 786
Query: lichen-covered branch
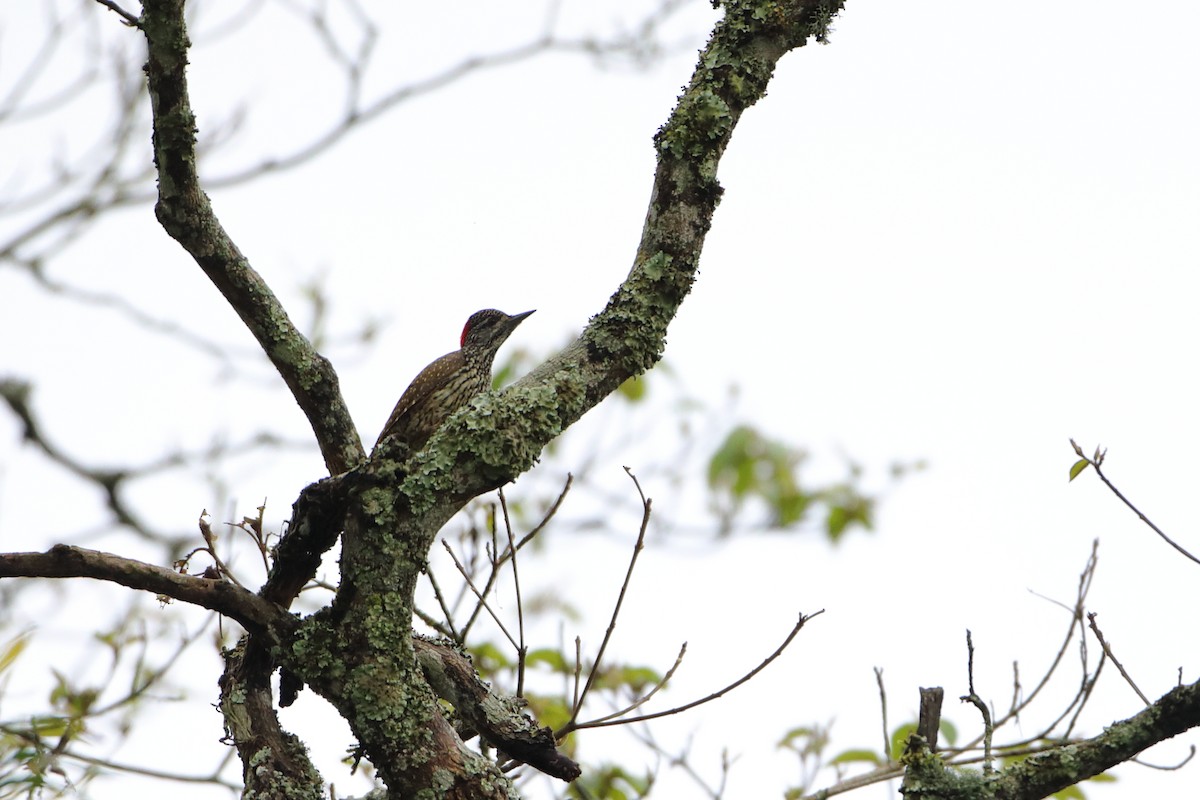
x: 1054, y: 770
x: 499, y: 719
x: 927, y: 777
x: 275, y: 763
x: 187, y: 215
x: 497, y: 438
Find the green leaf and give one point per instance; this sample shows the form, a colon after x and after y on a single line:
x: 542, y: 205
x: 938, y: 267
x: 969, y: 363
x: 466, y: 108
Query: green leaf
x: 949, y: 732
x: 13, y: 650
x: 49, y: 727
x: 551, y: 711
x: 856, y: 756
x: 550, y: 657
x: 839, y: 518
x: 620, y: 676
x: 1078, y: 467
x: 801, y: 732
x: 900, y: 739
x: 489, y: 658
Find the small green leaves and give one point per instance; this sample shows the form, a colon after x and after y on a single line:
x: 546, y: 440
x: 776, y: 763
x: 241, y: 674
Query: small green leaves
x: 1078, y: 467
x: 750, y: 466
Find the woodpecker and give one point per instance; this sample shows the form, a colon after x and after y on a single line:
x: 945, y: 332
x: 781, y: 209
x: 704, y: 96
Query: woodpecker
x: 449, y: 383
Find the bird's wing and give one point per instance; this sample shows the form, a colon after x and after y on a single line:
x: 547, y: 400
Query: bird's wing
x: 420, y: 388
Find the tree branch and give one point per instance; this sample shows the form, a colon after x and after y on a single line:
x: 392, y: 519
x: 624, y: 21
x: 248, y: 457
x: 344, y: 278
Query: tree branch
x: 65, y: 561
x: 186, y: 213
x: 495, y: 437
x: 499, y: 719
x: 1054, y: 770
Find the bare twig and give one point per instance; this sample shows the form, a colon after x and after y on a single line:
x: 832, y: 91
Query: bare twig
x: 1095, y: 461
x: 578, y: 673
x: 433, y: 623
x: 612, y: 624
x: 719, y: 693
x: 1108, y: 652
x: 549, y: 515
x: 887, y: 742
x: 976, y: 701
x: 1169, y: 767
x: 508, y: 553
x: 441, y: 598
x: 210, y: 547
x: 666, y: 678
x: 129, y: 19
x: 682, y: 760
x: 482, y: 600
x: 521, y: 648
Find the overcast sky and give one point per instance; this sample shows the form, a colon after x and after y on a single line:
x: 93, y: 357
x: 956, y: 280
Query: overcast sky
x: 961, y: 232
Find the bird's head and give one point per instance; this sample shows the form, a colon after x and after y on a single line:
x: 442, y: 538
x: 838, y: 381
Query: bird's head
x: 487, y: 329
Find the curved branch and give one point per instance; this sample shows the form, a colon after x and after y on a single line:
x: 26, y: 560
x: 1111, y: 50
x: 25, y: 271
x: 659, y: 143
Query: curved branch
x: 496, y: 438
x: 65, y: 561
x: 186, y: 213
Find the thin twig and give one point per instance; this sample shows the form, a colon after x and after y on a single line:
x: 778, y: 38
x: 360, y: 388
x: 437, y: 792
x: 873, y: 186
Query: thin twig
x: 462, y: 571
x: 612, y: 624
x: 130, y: 769
x: 1096, y: 461
x: 521, y: 648
x: 1085, y: 694
x: 549, y: 515
x: 129, y: 19
x: 646, y: 697
x: 1016, y: 698
x: 1108, y: 652
x: 210, y: 541
x: 1169, y: 767
x: 976, y: 701
x: 719, y: 693
x: 1143, y: 517
x: 441, y: 598
x: 1085, y: 584
x: 682, y: 761
x: 887, y: 742
x: 433, y: 623
x: 578, y: 672
x: 507, y: 554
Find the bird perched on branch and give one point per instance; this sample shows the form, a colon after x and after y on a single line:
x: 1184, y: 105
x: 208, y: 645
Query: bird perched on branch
x: 449, y: 383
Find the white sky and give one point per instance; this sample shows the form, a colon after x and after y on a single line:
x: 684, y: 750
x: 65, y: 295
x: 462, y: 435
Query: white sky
x: 962, y: 232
